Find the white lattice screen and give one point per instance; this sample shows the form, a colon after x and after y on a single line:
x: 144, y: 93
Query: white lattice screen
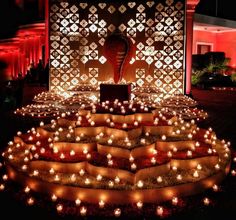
x: 78, y: 31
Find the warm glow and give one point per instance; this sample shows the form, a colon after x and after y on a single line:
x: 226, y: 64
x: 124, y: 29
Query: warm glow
x: 117, y: 212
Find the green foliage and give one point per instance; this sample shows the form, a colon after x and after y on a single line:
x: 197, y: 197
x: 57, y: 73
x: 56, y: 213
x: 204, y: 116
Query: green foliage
x: 233, y: 78
x: 196, y: 76
x: 219, y: 67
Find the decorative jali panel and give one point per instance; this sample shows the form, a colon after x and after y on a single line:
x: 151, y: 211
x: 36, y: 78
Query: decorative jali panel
x: 78, y: 30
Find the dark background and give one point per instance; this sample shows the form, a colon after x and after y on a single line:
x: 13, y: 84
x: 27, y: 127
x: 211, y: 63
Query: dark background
x: 217, y: 8
x: 11, y: 16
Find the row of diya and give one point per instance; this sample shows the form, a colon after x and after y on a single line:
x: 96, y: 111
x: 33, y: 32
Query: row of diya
x: 51, y: 106
x: 144, y: 156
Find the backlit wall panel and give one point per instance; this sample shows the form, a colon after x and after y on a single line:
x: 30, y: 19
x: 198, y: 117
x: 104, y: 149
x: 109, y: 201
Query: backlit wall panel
x: 78, y: 31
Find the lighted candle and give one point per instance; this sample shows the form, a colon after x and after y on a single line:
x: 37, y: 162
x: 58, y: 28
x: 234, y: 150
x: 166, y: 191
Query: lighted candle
x: 147, y: 134
x: 199, y: 167
x: 153, y: 160
x: 131, y: 159
x: 81, y: 172
x: 109, y: 141
x: 133, y: 166
x: 85, y: 151
x: 19, y: 133
x: 83, y: 211
x: 159, y: 210
x: 206, y: 201
x: 128, y: 144
x: 110, y: 183
x: 190, y: 136
x: 163, y: 137
x: 110, y: 162
x: 26, y: 159
x: 56, y: 138
x: 174, y: 168
x: 30, y: 201
x: 175, y: 200
x: 217, y: 166
x: 154, y: 151
x: 156, y: 121
x: 189, y: 153
x: 183, y: 128
x: 215, y: 188
x: 62, y: 156
x: 169, y: 154
x: 177, y: 131
x: 179, y: 177
x: 233, y: 173
x: 57, y: 178
x: 72, y: 153
x: 59, y: 207
x: 77, y: 202
x: 27, y: 189
x: 142, y: 140
x: 139, y: 204
x: 99, y: 177
x: 117, y: 179
x: 159, y: 179
x: 2, y: 187
x: 36, y: 156
x: 54, y: 198
x: 35, y: 173
x: 51, y: 171
x: 33, y: 148
x: 117, y: 212
x: 73, y: 177
x: 124, y: 125
x: 195, y: 174
x: 87, y: 181
x: 27, y: 152
x: 77, y: 139
x: 175, y: 149
x: 24, y: 167
x: 101, y: 204
x: 109, y: 156
x: 209, y: 151
x: 140, y: 184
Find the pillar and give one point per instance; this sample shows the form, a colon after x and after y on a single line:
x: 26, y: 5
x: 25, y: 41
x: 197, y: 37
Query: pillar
x: 41, y: 5
x: 46, y: 31
x: 190, y: 9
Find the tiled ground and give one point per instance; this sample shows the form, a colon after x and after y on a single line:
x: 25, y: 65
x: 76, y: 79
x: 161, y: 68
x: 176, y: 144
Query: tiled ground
x: 220, y: 105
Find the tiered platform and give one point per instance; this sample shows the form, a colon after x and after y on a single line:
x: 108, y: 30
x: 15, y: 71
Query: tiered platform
x: 106, y: 152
